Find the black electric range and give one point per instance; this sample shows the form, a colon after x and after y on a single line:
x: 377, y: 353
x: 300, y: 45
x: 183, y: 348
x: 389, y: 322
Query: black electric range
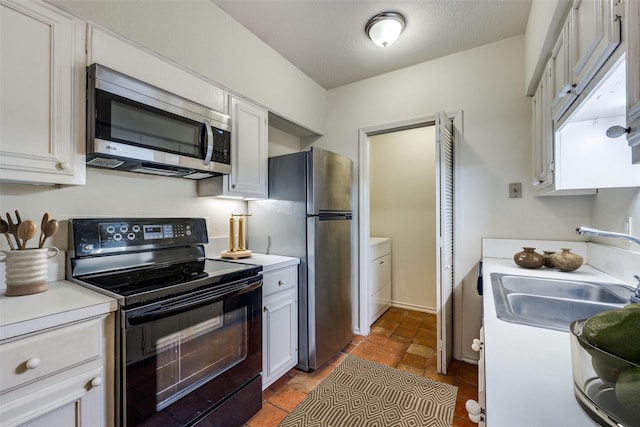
x: 138, y: 260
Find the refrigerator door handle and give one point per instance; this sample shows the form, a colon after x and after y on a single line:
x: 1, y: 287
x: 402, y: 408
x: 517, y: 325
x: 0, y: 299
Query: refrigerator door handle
x: 333, y: 216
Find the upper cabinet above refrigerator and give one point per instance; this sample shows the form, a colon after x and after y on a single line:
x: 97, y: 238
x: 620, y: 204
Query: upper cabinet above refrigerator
x: 249, y: 155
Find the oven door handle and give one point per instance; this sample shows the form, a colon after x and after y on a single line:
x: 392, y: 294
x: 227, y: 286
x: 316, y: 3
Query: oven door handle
x: 191, y: 303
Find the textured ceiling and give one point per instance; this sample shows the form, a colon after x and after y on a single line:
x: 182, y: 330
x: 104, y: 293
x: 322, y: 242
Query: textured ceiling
x: 326, y: 40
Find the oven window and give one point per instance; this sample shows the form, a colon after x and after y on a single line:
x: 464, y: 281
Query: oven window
x: 183, y: 359
x: 189, y: 358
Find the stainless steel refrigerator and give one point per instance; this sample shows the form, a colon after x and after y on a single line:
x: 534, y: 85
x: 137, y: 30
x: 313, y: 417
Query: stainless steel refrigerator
x: 308, y: 215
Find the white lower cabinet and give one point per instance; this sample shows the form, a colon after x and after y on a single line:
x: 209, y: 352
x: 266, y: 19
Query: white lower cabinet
x: 55, y: 377
x: 379, y: 277
x: 279, y: 323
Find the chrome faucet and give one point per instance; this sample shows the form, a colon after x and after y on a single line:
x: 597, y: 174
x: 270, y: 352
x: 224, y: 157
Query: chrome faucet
x: 636, y: 295
x: 586, y: 231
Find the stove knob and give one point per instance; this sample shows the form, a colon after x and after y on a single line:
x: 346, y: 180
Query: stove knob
x: 136, y: 228
x: 131, y: 236
x: 124, y: 228
x: 117, y: 237
x: 111, y: 229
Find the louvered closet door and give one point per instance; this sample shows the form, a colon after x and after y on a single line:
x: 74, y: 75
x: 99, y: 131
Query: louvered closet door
x: 444, y: 229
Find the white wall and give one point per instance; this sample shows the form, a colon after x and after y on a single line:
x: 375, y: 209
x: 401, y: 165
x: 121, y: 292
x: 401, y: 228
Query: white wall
x: 117, y: 194
x: 200, y: 36
x: 486, y: 83
x: 612, y: 210
x: 402, y: 207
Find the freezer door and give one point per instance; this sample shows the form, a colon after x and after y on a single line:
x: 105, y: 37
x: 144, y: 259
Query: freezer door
x: 329, y: 182
x: 329, y: 287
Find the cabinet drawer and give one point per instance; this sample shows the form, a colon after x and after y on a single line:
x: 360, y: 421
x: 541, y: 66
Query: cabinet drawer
x: 27, y: 359
x: 376, y: 251
x: 279, y: 280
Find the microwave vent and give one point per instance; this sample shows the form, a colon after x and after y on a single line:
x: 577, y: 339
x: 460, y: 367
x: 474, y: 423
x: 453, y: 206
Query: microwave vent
x: 105, y: 162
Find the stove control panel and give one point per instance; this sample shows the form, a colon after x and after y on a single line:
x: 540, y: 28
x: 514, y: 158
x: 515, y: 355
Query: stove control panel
x: 94, y: 236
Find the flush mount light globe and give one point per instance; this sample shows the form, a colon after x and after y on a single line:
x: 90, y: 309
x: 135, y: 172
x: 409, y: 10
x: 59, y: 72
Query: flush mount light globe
x: 385, y: 28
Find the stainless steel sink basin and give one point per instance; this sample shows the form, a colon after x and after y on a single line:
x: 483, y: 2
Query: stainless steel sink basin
x: 553, y: 303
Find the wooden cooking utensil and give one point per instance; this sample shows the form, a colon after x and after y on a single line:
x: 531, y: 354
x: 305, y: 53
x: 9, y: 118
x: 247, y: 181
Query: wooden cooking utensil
x: 43, y: 224
x: 4, y: 229
x: 26, y: 231
x: 50, y: 228
x: 13, y: 229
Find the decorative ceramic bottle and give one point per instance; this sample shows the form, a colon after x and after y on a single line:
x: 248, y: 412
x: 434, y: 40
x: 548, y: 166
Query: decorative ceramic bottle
x: 566, y: 260
x: 547, y: 258
x: 528, y: 258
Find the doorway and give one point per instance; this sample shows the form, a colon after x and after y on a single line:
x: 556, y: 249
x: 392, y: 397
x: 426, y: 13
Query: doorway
x: 402, y: 207
x: 439, y: 207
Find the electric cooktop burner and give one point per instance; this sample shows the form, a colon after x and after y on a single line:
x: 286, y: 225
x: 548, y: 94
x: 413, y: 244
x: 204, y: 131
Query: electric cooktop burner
x: 142, y: 280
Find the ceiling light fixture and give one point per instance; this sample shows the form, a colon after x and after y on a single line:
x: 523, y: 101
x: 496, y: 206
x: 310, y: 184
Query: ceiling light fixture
x: 385, y: 28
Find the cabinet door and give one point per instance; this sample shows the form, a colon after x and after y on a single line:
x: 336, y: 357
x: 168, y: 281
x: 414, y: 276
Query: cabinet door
x: 249, y: 155
x: 280, y: 335
x: 542, y: 134
x: 596, y: 34
x: 632, y: 33
x: 561, y: 75
x: 41, y: 94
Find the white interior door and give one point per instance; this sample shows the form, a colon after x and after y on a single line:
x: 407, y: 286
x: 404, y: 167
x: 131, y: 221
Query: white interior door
x: 444, y: 233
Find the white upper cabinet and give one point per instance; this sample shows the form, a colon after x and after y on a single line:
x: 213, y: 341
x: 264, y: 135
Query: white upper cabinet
x: 42, y: 91
x: 249, y: 155
x: 542, y: 136
x: 561, y: 73
x: 632, y: 34
x: 117, y: 53
x: 596, y: 34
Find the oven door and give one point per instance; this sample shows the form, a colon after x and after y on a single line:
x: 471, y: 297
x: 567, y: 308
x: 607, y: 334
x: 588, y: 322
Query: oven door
x: 187, y: 356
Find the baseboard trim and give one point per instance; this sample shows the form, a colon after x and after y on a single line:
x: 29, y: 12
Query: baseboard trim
x: 414, y: 307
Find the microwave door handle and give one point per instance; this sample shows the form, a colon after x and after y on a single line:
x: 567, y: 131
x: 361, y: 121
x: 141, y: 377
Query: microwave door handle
x: 209, y: 153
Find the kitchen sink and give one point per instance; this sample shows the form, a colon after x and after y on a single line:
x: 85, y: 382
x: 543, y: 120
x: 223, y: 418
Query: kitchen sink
x: 553, y: 303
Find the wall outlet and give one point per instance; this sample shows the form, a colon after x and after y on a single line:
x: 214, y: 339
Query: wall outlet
x: 515, y: 190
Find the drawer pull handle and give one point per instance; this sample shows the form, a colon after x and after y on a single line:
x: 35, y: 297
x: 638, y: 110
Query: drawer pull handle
x: 96, y: 382
x: 381, y: 262
x: 280, y: 282
x: 266, y: 308
x: 33, y: 363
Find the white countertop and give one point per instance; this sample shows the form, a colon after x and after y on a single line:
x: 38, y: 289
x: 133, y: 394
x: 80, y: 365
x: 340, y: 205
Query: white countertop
x: 528, y: 370
x: 268, y: 262
x: 62, y: 303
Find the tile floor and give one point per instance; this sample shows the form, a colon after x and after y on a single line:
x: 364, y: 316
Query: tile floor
x: 400, y: 338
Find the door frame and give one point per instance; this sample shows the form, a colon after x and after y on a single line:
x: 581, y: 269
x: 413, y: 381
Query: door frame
x: 364, y: 220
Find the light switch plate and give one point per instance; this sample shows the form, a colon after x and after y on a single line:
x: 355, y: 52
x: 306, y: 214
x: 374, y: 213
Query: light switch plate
x: 515, y: 190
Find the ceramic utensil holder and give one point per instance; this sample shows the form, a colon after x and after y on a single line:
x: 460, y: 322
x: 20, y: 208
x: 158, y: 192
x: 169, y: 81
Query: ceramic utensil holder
x: 26, y: 270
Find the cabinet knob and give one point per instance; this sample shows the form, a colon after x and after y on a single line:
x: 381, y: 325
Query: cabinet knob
x: 64, y: 166
x: 266, y: 308
x: 280, y: 282
x: 33, y: 363
x: 476, y: 344
x: 96, y: 381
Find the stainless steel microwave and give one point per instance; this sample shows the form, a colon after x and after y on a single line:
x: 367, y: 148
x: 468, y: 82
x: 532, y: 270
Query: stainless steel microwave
x: 136, y: 127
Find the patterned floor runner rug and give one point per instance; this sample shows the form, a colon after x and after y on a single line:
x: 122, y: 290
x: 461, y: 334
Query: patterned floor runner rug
x: 362, y: 393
